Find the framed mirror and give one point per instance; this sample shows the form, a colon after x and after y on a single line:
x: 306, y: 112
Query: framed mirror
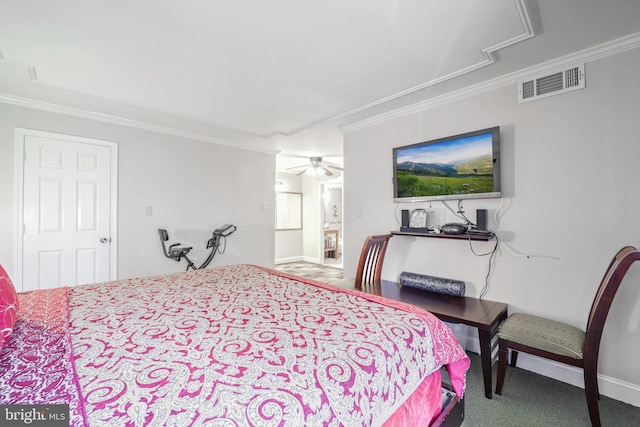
x: 288, y: 211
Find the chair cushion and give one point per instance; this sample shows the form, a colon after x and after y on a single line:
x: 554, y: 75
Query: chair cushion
x: 544, y: 334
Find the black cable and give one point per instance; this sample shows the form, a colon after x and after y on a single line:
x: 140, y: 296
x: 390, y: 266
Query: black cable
x: 461, y: 212
x: 225, y: 245
x: 458, y: 214
x: 491, y: 254
x: 487, y: 253
x: 449, y: 207
x: 489, y: 271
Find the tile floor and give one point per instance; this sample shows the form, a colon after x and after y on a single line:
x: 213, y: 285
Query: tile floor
x: 319, y: 272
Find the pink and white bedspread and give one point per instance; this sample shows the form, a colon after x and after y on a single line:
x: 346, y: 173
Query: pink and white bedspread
x: 230, y: 346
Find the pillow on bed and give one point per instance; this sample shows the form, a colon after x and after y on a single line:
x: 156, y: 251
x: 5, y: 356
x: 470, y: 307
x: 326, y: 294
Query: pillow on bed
x: 8, y: 307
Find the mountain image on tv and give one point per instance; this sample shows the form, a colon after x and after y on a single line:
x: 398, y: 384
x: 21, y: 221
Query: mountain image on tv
x: 463, y: 166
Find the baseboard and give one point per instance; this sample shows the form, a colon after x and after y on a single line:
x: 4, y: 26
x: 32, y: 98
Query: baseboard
x: 610, y: 387
x: 619, y: 390
x: 298, y: 258
x: 290, y: 259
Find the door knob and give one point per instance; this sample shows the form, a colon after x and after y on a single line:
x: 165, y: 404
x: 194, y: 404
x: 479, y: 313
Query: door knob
x: 105, y: 240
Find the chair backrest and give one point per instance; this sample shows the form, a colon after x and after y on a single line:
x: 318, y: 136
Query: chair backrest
x: 164, y: 236
x: 609, y: 285
x: 371, y: 259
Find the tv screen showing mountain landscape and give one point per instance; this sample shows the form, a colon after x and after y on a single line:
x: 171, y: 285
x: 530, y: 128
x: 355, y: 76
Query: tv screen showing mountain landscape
x: 462, y: 166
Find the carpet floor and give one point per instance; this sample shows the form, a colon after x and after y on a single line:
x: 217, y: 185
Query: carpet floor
x: 532, y: 400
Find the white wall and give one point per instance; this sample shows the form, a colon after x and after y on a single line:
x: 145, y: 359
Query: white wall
x: 570, y: 174
x: 312, y: 236
x: 192, y: 186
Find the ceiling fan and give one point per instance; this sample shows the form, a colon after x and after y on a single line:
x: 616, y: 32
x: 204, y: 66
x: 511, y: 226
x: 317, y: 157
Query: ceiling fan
x: 317, y: 167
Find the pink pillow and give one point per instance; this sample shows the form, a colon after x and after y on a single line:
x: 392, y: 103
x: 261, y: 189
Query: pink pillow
x: 8, y: 307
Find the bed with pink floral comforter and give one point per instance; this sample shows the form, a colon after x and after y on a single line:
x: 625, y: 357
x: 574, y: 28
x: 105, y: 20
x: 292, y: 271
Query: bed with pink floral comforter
x: 229, y: 346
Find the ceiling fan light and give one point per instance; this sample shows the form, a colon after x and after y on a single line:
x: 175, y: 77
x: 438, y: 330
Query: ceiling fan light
x: 315, y: 171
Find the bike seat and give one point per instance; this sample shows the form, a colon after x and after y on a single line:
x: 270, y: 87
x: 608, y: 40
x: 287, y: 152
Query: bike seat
x: 176, y: 251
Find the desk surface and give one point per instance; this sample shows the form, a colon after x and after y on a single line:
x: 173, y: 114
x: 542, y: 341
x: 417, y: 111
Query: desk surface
x: 474, y: 312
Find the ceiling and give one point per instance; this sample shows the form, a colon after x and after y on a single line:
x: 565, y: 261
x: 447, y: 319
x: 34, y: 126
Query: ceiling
x: 280, y: 75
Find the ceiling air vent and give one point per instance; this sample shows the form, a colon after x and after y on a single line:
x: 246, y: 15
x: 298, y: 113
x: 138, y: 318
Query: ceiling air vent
x: 552, y: 84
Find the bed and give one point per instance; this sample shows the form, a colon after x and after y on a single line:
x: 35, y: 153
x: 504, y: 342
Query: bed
x: 238, y: 345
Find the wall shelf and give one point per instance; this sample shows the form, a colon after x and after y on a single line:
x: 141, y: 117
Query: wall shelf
x: 466, y: 236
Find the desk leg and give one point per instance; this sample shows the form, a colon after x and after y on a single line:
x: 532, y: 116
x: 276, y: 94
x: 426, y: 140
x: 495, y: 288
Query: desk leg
x: 484, y: 337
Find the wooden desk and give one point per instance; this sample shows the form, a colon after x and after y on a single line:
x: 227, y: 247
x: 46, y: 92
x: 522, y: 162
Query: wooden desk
x: 482, y: 314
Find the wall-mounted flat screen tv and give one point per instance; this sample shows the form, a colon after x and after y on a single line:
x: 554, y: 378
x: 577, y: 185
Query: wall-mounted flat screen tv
x: 464, y: 166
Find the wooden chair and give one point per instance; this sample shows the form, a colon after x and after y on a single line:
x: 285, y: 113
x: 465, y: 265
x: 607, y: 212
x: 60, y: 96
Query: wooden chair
x: 565, y: 343
x: 370, y: 263
x: 371, y: 259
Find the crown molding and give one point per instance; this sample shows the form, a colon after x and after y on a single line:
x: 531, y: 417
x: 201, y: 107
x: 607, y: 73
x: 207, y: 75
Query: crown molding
x: 594, y: 53
x: 487, y: 59
x: 488, y: 53
x: 31, y: 71
x: 90, y: 114
x: 116, y: 120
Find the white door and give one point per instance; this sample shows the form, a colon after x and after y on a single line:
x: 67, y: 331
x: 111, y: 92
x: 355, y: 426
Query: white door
x: 67, y: 197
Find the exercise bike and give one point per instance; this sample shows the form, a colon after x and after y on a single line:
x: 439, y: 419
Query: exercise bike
x: 177, y: 252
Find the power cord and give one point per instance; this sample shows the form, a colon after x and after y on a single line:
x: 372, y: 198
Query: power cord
x: 507, y: 246
x: 460, y: 213
x: 491, y: 265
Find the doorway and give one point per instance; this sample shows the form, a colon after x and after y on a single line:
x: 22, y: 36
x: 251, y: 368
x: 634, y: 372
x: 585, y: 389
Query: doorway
x: 332, y: 224
x: 67, y: 206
